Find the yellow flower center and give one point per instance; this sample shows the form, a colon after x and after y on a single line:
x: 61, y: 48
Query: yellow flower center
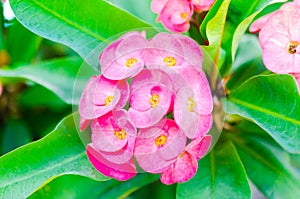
x: 108, y: 100
x: 121, y: 135
x: 184, y: 15
x: 130, y: 62
x: 191, y: 104
x: 292, y: 47
x: 154, y: 100
x: 170, y: 61
x: 161, y: 140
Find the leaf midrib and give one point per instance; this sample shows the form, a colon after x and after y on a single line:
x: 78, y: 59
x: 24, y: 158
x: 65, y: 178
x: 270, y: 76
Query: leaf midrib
x: 47, y: 169
x: 263, y: 110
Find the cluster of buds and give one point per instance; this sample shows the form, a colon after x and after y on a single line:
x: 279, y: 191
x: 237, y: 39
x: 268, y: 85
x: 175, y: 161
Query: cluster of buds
x: 152, y: 103
x: 280, y: 39
x: 175, y: 15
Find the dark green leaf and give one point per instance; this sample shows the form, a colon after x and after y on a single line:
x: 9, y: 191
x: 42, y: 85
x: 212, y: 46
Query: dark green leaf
x: 61, y: 152
x: 220, y: 175
x: 81, y: 25
x: 272, y: 102
x: 274, y: 171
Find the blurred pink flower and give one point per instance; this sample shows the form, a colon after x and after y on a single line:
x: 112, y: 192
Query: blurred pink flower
x: 100, y: 96
x: 113, y: 135
x: 186, y: 164
x: 122, y: 172
x: 193, y: 105
x: 122, y: 59
x: 174, y: 14
x: 150, y: 97
x: 172, y: 52
x: 202, y: 5
x: 280, y: 37
x: 158, y: 146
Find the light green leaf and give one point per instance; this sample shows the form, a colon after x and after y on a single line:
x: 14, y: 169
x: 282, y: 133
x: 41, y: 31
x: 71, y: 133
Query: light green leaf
x: 220, y: 175
x: 61, y: 152
x: 274, y: 171
x: 272, y: 102
x: 81, y: 25
x: 57, y: 75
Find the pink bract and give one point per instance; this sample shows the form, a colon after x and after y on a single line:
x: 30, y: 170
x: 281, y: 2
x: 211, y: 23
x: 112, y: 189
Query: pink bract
x: 123, y: 59
x: 172, y: 52
x: 113, y: 135
x: 121, y: 172
x: 186, y: 165
x: 202, y: 5
x: 157, y: 147
x: 101, y: 95
x: 174, y: 14
x: 280, y: 38
x: 149, y: 100
x: 193, y: 105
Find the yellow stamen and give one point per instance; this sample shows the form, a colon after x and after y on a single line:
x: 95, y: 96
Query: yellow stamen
x: 108, y: 100
x: 130, y: 62
x: 170, y: 61
x: 184, y: 15
x: 161, y: 140
x: 292, y: 47
x: 154, y: 100
x: 191, y: 104
x: 121, y: 135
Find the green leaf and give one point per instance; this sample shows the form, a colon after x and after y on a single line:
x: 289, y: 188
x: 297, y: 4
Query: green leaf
x: 15, y: 134
x: 214, y: 30
x: 72, y: 186
x: 274, y: 171
x: 81, y: 25
x: 272, y: 102
x: 61, y: 152
x: 59, y: 76
x: 220, y: 175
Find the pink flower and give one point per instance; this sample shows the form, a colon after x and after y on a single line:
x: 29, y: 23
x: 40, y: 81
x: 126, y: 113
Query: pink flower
x: 100, y: 96
x: 186, y: 165
x: 123, y: 171
x: 158, y: 146
x: 150, y: 97
x: 174, y: 14
x: 193, y: 105
x: 280, y: 38
x: 122, y: 59
x: 173, y: 52
x: 113, y: 135
x: 202, y: 5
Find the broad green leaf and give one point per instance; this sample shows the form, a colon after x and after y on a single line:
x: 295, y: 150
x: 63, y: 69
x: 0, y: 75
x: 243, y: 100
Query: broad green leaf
x: 22, y: 45
x: 220, y: 175
x: 214, y: 30
x: 156, y: 190
x: 15, y: 134
x: 272, y: 102
x: 72, y: 186
x: 57, y: 75
x: 241, y: 15
x: 61, y: 152
x: 274, y: 171
x: 81, y: 25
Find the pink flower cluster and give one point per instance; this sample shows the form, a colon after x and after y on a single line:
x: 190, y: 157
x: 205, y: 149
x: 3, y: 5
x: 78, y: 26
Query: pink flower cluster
x: 176, y: 14
x: 169, y: 108
x: 279, y: 36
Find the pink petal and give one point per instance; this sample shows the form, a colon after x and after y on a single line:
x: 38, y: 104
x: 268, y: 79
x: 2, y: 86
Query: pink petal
x: 199, y: 147
x: 123, y: 87
x: 259, y: 23
x: 158, y: 5
x: 144, y: 119
x: 182, y: 170
x: 84, y: 124
x: 118, y: 171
